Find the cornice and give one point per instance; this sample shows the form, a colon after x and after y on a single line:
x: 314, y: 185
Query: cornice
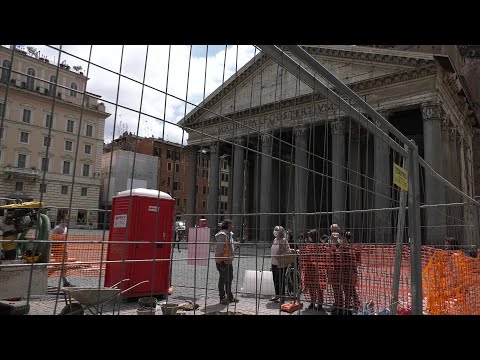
x: 364, y: 85
x: 370, y: 57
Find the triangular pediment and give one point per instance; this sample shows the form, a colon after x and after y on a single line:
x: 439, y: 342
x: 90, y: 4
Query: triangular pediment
x: 261, y: 82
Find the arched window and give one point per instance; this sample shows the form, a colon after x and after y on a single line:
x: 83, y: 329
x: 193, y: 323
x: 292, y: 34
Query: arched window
x: 52, y: 85
x: 30, y: 79
x: 73, y: 89
x: 5, y: 70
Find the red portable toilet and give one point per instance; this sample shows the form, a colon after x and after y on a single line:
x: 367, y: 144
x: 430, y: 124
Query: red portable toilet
x: 144, y: 215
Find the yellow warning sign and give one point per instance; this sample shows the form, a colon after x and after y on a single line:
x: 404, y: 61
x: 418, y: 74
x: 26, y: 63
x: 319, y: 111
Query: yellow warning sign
x: 400, y: 177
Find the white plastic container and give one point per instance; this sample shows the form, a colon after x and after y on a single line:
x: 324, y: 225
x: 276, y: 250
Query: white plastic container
x: 262, y: 279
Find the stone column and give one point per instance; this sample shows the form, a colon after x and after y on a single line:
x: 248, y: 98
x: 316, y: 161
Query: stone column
x: 265, y: 188
x: 457, y: 217
x: 447, y: 170
x: 466, y: 216
x: 383, y: 225
x: 238, y: 184
x: 434, y: 191
x: 338, y: 171
x: 213, y: 178
x: 192, y: 161
x: 301, y: 177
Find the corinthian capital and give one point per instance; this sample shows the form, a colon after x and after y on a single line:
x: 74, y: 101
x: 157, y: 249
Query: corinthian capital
x: 192, y: 150
x: 338, y: 127
x: 266, y: 139
x: 432, y: 111
x: 301, y: 131
x: 213, y: 148
x: 445, y: 122
x: 452, y: 132
x: 238, y: 141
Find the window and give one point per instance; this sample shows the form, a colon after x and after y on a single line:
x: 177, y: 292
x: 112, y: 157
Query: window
x: 5, y: 70
x: 177, y: 167
x: 204, y: 190
x: 64, y: 190
x: 88, y: 149
x: 86, y: 170
x: 43, y: 188
x: 48, y: 120
x: 47, y: 141
x: 2, y: 130
x: 175, y: 186
x: 177, y: 156
x: 206, y: 174
x: 84, y: 192
x: 177, y: 202
x: 24, y: 137
x: 27, y: 115
x: 19, y: 186
x: 204, y: 204
x: 226, y: 177
x: 22, y: 161
x: 157, y: 151
x: 224, y: 165
x: 2, y: 109
x: 82, y: 215
x: 68, y: 145
x: 184, y: 203
x: 169, y: 154
x: 52, y: 86
x: 73, y: 89
x: 89, y: 130
x: 203, y: 173
x: 169, y: 166
x: 30, y: 79
x: 70, y: 126
x: 66, y: 167
x: 45, y: 162
x: 168, y: 181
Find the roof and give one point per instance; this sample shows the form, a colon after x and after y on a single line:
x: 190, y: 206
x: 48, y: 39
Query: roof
x: 145, y: 193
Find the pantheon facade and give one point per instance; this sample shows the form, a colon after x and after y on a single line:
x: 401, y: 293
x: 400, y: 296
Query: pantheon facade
x: 299, y: 162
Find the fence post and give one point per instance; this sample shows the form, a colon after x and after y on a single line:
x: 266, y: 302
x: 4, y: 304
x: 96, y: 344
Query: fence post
x: 414, y: 231
x: 398, y: 248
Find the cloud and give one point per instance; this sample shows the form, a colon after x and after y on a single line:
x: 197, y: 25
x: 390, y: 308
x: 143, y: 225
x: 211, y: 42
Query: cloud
x: 165, y: 69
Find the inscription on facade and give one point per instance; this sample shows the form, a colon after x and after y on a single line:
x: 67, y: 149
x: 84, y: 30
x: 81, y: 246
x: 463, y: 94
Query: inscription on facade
x: 276, y: 119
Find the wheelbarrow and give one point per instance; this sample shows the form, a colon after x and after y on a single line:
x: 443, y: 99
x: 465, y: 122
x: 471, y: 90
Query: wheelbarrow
x: 92, y: 298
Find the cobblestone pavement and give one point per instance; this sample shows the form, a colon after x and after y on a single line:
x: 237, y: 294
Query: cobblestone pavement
x: 185, y: 279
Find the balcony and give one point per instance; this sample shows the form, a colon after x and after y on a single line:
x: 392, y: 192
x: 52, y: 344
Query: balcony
x: 21, y: 172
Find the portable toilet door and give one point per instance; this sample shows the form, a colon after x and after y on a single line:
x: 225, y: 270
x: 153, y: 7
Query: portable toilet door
x: 145, y: 217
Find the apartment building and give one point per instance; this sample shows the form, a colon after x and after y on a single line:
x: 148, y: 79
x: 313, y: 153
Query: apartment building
x: 171, y: 165
x: 45, y: 155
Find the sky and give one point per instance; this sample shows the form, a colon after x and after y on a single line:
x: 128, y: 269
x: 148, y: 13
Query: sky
x: 154, y: 67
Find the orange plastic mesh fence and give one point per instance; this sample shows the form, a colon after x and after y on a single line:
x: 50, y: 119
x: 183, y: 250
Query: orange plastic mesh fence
x: 351, y: 275
x: 451, y: 284
x: 79, y: 248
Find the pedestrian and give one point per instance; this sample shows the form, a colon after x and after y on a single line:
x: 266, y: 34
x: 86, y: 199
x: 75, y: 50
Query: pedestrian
x: 280, y: 262
x: 177, y: 240
x: 316, y: 270
x: 451, y: 243
x: 59, y: 249
x: 334, y: 271
x: 224, y: 255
